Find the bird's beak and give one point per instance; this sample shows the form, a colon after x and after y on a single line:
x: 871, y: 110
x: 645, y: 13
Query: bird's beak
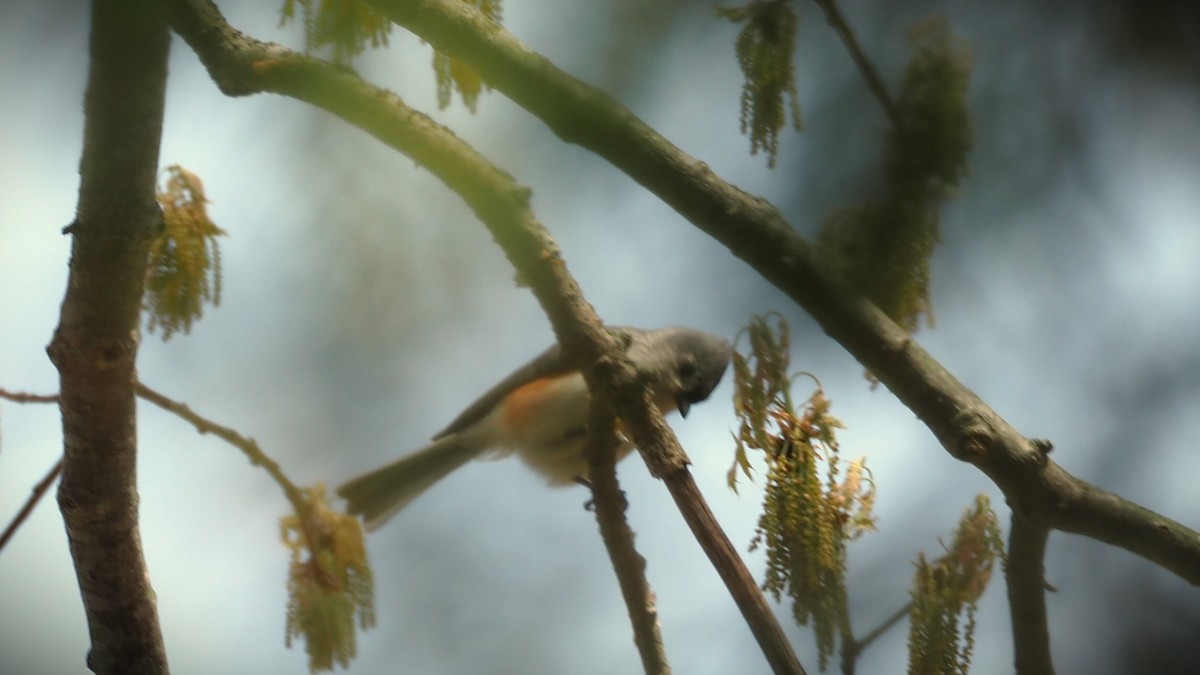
x: 683, y: 405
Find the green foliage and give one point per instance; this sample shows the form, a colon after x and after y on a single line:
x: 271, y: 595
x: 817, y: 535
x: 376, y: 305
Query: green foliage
x: 453, y: 74
x: 348, y: 25
x: 947, y: 590
x: 184, y: 265
x: 883, y: 249
x: 345, y: 25
x: 329, y: 582
x: 927, y: 155
x: 883, y: 246
x: 765, y: 48
x: 810, y: 509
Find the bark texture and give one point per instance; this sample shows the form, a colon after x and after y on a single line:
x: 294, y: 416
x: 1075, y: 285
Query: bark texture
x: 95, y: 345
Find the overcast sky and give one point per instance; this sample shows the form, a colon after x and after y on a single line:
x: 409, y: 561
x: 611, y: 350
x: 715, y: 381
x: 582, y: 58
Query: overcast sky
x: 364, y: 306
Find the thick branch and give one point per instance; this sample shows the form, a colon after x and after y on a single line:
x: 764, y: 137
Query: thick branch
x: 1025, y: 574
x: 241, y: 65
x: 755, y: 231
x: 95, y: 345
x: 1106, y: 517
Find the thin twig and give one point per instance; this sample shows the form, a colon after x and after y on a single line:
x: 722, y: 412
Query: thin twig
x: 205, y: 426
x: 852, y: 648
x: 36, y: 496
x: 833, y: 14
x: 43, y: 485
x: 22, y: 397
x: 249, y: 446
x: 883, y: 627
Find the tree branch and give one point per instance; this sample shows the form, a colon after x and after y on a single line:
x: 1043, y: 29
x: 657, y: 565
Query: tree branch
x: 756, y: 232
x: 837, y: 20
x: 316, y: 537
x: 609, y: 503
x: 727, y: 562
x: 1106, y: 517
x: 22, y: 397
x: 35, y: 496
x: 852, y: 648
x: 249, y: 447
x: 203, y: 425
x: 1025, y: 574
x: 206, y: 426
x: 95, y: 344
x: 241, y: 65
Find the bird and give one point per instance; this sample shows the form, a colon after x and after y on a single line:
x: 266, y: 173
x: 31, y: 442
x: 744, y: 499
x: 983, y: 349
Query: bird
x: 540, y: 413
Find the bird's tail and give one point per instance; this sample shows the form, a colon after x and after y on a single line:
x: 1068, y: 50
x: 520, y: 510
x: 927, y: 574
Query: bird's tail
x: 379, y: 494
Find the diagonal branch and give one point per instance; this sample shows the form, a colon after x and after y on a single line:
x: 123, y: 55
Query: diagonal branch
x: 316, y: 535
x: 837, y: 20
x: 241, y: 65
x: 248, y: 446
x: 853, y: 647
x: 35, y: 496
x: 203, y: 425
x: 756, y: 232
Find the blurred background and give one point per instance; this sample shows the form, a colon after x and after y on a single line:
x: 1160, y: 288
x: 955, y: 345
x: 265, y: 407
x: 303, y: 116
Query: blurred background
x: 364, y: 306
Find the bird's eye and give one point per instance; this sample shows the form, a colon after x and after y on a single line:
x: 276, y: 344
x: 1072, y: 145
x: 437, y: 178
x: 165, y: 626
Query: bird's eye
x: 687, y: 368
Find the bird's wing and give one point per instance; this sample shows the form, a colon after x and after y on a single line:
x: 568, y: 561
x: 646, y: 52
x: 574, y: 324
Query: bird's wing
x: 550, y: 363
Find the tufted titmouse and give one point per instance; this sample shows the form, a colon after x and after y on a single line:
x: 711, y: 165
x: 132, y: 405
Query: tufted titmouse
x: 540, y: 412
